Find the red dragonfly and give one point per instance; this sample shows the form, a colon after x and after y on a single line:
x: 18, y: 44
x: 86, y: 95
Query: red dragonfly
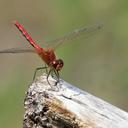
x: 48, y: 54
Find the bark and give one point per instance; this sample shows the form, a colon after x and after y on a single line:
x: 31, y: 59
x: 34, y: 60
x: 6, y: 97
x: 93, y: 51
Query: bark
x: 65, y: 106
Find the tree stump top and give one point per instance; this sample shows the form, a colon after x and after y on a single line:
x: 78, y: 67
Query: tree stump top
x: 65, y: 106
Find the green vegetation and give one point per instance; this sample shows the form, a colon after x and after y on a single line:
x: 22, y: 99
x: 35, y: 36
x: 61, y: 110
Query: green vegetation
x: 97, y: 64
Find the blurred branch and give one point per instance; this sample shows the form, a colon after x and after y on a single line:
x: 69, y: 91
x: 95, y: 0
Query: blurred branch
x: 65, y: 106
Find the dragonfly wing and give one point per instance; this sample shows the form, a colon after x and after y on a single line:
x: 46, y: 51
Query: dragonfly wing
x: 17, y: 50
x: 73, y: 35
x: 58, y: 41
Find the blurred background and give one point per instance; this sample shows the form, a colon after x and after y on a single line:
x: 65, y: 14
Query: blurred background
x: 97, y: 64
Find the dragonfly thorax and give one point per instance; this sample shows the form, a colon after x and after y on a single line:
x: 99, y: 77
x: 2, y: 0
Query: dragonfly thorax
x: 57, y: 64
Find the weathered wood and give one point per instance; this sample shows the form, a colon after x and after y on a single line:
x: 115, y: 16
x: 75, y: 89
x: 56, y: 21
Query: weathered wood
x: 65, y: 106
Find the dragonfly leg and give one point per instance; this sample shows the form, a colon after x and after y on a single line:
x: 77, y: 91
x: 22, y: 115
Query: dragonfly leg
x: 37, y: 69
x: 58, y: 76
x: 51, y: 71
x: 48, y: 76
x: 46, y: 69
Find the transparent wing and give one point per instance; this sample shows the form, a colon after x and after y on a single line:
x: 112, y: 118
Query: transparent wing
x: 17, y: 50
x: 58, y: 41
x: 73, y: 35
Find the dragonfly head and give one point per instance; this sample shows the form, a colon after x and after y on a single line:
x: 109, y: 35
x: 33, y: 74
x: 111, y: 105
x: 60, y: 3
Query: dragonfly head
x: 58, y: 64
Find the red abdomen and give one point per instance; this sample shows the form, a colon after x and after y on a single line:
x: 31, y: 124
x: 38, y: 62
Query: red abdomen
x: 47, y: 55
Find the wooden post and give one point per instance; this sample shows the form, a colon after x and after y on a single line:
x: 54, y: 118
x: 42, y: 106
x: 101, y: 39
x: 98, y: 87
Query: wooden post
x: 65, y: 106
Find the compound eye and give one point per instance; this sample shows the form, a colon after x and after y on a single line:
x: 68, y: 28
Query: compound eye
x: 60, y: 62
x: 59, y: 65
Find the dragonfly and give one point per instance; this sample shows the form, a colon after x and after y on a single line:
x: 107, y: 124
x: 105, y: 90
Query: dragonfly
x: 52, y: 63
